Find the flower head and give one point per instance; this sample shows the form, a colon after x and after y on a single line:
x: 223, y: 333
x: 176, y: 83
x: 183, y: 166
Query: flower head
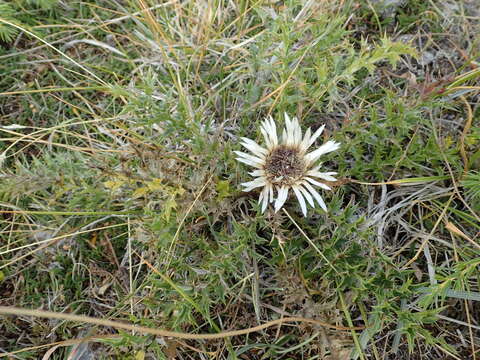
x: 284, y: 164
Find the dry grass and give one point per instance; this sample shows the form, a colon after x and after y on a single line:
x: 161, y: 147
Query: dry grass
x: 120, y: 200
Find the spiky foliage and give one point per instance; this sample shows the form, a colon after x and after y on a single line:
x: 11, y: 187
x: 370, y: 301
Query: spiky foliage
x: 121, y: 199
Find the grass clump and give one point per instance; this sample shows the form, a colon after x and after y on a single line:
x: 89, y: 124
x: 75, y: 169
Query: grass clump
x: 120, y: 194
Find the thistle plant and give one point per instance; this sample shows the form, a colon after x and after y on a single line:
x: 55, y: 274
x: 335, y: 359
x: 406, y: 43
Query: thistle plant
x: 284, y: 164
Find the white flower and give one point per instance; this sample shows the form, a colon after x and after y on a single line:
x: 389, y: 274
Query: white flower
x: 284, y: 164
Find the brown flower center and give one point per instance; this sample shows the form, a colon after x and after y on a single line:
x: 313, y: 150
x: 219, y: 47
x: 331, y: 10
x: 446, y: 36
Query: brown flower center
x: 284, y: 165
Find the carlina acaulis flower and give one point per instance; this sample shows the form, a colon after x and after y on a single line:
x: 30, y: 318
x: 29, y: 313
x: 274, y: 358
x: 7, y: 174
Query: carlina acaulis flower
x: 284, y: 164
